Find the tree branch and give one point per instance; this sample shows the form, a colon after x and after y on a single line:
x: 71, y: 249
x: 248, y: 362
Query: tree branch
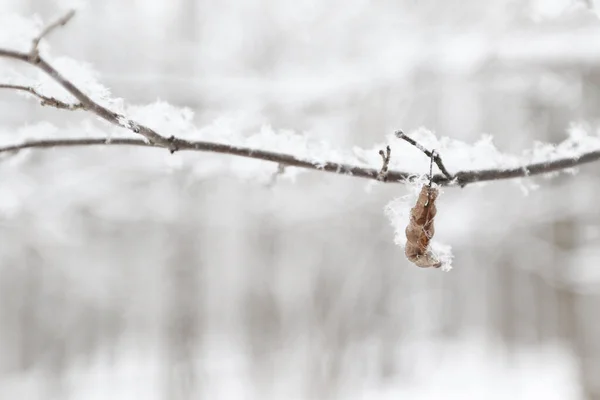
x: 46, y: 31
x: 154, y: 139
x: 461, y: 178
x: 34, y: 58
x: 283, y: 159
x: 45, y: 100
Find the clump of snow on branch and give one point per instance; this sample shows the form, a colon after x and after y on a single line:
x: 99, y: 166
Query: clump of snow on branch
x: 578, y: 141
x: 82, y: 75
x: 18, y: 32
x: 165, y: 118
x: 457, y: 155
x: 398, y: 212
x: 249, y: 133
x: 231, y: 132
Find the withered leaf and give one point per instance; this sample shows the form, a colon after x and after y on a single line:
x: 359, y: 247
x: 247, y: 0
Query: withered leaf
x: 420, y: 229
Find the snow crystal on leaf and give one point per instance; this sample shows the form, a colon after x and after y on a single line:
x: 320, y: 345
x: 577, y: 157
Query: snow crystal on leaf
x: 443, y: 253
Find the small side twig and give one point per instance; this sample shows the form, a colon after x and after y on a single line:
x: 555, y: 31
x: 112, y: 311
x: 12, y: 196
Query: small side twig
x: 276, y: 174
x: 433, y: 155
x: 62, y: 21
x: 173, y: 145
x: 385, y: 157
x: 431, y: 168
x: 45, y: 100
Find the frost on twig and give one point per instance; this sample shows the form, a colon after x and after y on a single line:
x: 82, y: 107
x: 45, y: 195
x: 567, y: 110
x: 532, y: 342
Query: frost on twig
x: 385, y: 157
x: 44, y: 100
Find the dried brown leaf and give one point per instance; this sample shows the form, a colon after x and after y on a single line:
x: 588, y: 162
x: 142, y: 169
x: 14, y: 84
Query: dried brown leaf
x: 420, y: 229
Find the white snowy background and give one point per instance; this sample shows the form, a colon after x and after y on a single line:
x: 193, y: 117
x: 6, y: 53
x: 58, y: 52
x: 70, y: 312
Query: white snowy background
x: 132, y: 273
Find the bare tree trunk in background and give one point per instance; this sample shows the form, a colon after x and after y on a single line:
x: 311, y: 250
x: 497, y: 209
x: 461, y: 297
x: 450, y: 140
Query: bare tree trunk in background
x: 44, y: 344
x: 590, y: 96
x: 565, y: 233
x: 588, y: 344
x: 261, y: 308
x: 390, y: 328
x: 574, y: 308
x: 328, y: 334
x: 183, y: 299
x: 30, y: 333
x: 184, y: 52
x: 503, y: 300
x: 29, y: 343
x: 188, y: 19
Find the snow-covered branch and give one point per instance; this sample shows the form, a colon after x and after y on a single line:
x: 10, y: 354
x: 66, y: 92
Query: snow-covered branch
x: 505, y: 168
x: 282, y: 159
x: 460, y: 178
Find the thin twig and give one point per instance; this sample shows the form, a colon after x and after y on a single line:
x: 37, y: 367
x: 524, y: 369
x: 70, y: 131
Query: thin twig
x: 34, y: 52
x: 45, y: 100
x: 385, y: 158
x: 431, y: 168
x: 280, y: 171
x: 433, y: 155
